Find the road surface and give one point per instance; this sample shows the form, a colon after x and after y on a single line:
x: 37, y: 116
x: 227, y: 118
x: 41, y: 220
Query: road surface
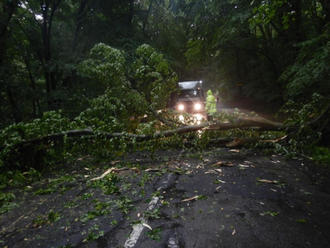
x: 217, y: 197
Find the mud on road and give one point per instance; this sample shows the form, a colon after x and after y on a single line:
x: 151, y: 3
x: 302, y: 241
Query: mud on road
x: 179, y: 198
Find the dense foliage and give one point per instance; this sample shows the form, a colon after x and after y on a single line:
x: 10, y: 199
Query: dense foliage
x: 105, y: 64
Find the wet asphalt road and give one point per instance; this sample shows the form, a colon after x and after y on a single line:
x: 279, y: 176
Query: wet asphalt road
x: 215, y: 198
x: 257, y: 202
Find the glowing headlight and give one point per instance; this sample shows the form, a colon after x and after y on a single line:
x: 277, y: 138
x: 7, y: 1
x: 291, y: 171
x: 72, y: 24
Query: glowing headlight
x: 180, y: 107
x: 197, y: 106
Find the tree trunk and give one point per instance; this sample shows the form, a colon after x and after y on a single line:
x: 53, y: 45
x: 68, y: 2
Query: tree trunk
x: 241, y: 123
x: 6, y: 14
x: 47, y: 15
x: 13, y: 104
x: 326, y: 10
x: 35, y: 100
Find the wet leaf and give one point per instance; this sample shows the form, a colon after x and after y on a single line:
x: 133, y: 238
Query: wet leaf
x: 152, y: 170
x: 222, y: 163
x: 235, y: 143
x: 191, y: 198
x: 302, y: 221
x: 243, y: 166
x: 221, y: 181
x: 267, y: 181
x: 210, y: 172
x: 234, y: 150
x: 147, y: 226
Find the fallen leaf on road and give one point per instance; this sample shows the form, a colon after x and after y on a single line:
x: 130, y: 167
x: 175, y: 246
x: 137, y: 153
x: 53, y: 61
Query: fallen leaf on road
x: 108, y: 171
x: 191, y: 198
x: 221, y: 163
x: 234, y: 150
x: 147, y: 226
x: 243, y: 166
x: 152, y: 169
x: 210, y: 172
x: 137, y: 170
x: 271, y: 213
x: 236, y: 142
x: 267, y: 181
x: 302, y: 221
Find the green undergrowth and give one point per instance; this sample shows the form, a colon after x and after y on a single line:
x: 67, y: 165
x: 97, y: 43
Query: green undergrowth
x: 24, y: 165
x: 108, y: 184
x: 321, y: 155
x: 59, y: 184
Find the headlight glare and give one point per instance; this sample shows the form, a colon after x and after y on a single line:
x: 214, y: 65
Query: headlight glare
x: 197, y: 106
x: 180, y: 107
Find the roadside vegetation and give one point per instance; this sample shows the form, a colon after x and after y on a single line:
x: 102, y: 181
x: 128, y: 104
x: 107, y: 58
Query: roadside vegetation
x: 87, y: 79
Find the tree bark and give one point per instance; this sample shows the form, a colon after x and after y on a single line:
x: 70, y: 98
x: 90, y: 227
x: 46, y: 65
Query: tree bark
x: 35, y: 100
x: 326, y: 10
x: 241, y: 123
x: 48, y: 9
x: 13, y: 104
x: 7, y: 12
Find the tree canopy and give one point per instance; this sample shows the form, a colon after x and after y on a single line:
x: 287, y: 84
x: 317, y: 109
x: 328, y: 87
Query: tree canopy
x: 104, y: 64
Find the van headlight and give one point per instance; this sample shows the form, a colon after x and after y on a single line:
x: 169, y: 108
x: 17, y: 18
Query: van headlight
x: 197, y: 106
x: 180, y: 107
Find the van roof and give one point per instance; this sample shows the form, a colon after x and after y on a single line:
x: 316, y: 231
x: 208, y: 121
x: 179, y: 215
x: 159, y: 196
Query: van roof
x: 190, y: 84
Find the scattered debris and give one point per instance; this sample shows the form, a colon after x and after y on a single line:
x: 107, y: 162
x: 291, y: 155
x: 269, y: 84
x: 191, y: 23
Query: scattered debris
x: 108, y: 171
x: 234, y: 150
x: 210, y: 172
x: 147, y: 226
x: 191, y: 198
x: 235, y: 143
x: 302, y: 221
x: 222, y: 163
x: 152, y: 170
x: 267, y: 181
x: 271, y: 213
x: 243, y: 166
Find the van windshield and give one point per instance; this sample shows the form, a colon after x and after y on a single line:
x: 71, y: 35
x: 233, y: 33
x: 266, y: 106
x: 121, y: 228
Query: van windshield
x: 190, y: 93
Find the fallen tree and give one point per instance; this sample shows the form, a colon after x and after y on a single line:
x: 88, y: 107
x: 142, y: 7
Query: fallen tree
x: 30, y: 152
x: 241, y: 123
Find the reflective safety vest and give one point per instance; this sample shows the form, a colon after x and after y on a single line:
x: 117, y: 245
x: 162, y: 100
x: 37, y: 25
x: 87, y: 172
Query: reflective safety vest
x: 211, y: 105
